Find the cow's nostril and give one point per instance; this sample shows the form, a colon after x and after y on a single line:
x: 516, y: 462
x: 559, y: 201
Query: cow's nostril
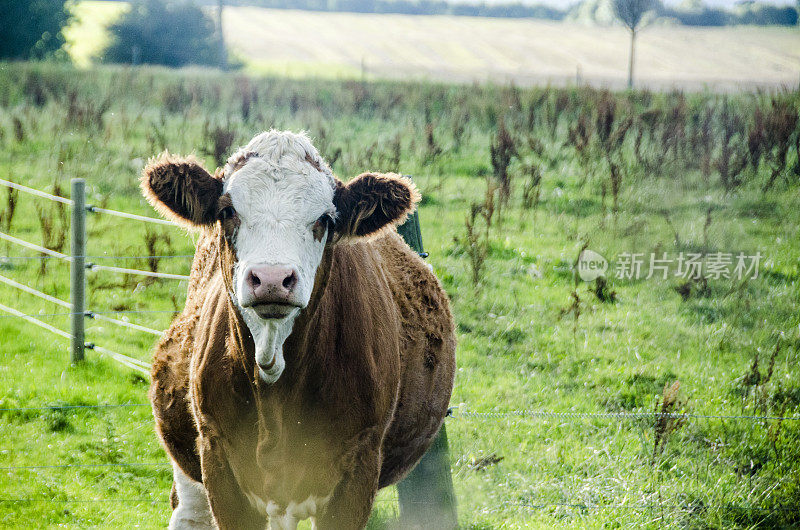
x: 254, y: 280
x: 290, y: 281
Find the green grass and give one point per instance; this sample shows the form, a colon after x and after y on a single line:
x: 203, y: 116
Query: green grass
x: 517, y: 350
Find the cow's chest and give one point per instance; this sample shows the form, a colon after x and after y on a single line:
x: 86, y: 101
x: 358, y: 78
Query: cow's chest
x: 286, y: 516
x: 292, y: 481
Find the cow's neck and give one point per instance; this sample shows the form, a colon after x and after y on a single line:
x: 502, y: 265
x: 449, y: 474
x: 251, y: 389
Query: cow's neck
x: 254, y: 339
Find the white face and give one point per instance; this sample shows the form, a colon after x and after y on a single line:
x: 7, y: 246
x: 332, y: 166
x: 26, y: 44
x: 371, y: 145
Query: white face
x: 282, y: 195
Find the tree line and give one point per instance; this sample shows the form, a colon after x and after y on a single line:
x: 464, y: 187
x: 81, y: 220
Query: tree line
x: 694, y: 14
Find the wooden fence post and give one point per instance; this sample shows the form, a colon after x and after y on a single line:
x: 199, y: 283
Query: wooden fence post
x: 427, y: 499
x: 78, y: 267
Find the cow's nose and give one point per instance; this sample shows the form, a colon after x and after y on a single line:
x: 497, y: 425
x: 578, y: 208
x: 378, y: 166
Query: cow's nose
x: 271, y: 284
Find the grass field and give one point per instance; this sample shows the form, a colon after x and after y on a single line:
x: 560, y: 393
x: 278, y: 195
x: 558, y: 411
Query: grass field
x: 530, y: 335
x: 524, y: 51
x: 466, y: 49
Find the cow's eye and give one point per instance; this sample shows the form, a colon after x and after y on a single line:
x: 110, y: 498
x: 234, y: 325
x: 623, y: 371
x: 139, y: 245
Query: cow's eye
x: 227, y: 213
x: 322, y: 224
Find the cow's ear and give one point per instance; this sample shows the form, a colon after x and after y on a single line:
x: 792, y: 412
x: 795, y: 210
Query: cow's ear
x: 181, y: 190
x: 371, y: 201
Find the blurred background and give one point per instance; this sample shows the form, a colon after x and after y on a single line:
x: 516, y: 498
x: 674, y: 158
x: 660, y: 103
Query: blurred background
x: 688, y: 44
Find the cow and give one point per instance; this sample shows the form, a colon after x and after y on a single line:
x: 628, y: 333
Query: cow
x: 314, y: 359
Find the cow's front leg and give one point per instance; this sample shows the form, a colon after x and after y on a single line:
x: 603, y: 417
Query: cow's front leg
x: 231, y: 509
x: 192, y: 510
x: 351, y: 503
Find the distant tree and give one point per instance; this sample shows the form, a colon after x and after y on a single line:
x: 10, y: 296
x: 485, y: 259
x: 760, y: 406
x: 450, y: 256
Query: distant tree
x: 223, y: 54
x: 631, y: 13
x: 702, y: 16
x: 31, y: 29
x: 762, y: 14
x: 163, y: 32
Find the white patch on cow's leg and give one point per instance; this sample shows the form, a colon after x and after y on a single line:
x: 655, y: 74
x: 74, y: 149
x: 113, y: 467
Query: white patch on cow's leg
x: 287, y: 518
x: 193, y: 511
x: 282, y: 523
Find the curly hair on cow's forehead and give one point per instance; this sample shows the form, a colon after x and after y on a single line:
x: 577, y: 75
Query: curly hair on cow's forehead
x: 237, y: 161
x: 275, y: 147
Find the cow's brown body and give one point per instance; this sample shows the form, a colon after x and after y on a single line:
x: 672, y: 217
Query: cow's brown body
x: 369, y: 372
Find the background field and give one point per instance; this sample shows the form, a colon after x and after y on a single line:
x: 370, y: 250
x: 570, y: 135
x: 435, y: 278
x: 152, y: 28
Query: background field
x: 530, y: 336
x: 466, y: 49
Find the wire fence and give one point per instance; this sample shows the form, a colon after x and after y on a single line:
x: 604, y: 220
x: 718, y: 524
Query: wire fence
x: 53, y: 254
x: 527, y: 504
x: 163, y: 256
x: 141, y: 366
x: 117, y: 312
x: 76, y: 260
x: 545, y: 414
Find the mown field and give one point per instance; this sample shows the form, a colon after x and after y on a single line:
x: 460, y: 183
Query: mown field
x: 516, y: 183
x: 466, y: 49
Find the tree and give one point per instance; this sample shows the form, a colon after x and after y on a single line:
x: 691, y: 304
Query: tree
x: 223, y: 55
x: 169, y: 33
x: 631, y: 13
x: 31, y: 29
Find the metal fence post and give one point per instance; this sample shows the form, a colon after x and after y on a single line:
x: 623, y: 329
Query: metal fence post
x: 426, y: 495
x: 78, y: 267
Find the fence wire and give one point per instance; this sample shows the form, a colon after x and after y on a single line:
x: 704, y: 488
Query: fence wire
x: 130, y: 362
x: 120, y: 312
x: 164, y: 256
x: 70, y: 501
x: 32, y: 246
x: 91, y: 266
x: 39, y: 315
x: 89, y: 208
x: 456, y: 413
x: 75, y: 407
x: 126, y: 215
x: 122, y: 270
x: 35, y: 321
x: 122, y: 323
x: 36, y: 192
x: 67, y: 466
x: 34, y: 292
x: 90, y: 314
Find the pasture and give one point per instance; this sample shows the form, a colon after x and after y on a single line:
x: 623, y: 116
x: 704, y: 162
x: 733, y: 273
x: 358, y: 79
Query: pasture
x: 466, y: 49
x: 636, y: 172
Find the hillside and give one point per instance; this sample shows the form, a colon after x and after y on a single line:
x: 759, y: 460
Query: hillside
x: 500, y: 50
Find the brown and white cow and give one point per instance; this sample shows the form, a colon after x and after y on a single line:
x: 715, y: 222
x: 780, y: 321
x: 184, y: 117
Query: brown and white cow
x: 314, y: 360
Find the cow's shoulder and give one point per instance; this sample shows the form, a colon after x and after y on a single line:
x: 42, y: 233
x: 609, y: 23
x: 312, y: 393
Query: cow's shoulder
x: 422, y: 302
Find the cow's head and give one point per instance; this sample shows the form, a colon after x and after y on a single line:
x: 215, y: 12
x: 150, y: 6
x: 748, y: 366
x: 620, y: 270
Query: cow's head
x: 276, y: 206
